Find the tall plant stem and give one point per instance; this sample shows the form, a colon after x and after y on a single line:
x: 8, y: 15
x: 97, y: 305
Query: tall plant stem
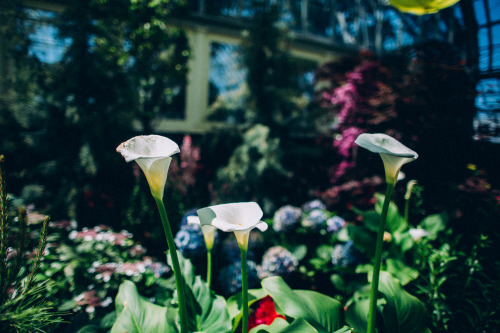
x: 179, y: 281
x: 209, y: 268
x: 377, y: 260
x: 244, y: 291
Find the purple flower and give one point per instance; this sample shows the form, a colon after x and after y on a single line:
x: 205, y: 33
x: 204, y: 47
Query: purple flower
x: 230, y: 277
x: 334, y: 224
x: 277, y: 261
x: 313, y: 204
x: 345, y: 255
x: 315, y: 219
x: 286, y: 218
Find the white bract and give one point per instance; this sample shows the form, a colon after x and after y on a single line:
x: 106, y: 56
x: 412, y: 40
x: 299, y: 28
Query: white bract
x: 207, y: 230
x: 239, y: 217
x: 153, y: 155
x: 393, y: 153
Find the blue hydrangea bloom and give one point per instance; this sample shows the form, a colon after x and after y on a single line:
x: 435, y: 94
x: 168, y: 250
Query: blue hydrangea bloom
x: 277, y: 261
x: 345, y: 255
x: 334, y: 224
x: 229, y: 278
x: 315, y: 219
x: 312, y: 205
x: 189, y: 240
x: 286, y: 218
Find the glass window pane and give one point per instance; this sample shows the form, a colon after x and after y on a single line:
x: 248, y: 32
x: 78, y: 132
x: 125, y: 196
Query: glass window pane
x: 227, y: 83
x: 46, y: 45
x: 480, y: 12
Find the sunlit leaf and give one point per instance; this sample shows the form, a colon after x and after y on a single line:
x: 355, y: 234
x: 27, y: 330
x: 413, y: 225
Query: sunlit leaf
x: 135, y: 314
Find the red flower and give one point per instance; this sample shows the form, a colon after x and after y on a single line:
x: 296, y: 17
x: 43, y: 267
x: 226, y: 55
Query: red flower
x: 264, y: 314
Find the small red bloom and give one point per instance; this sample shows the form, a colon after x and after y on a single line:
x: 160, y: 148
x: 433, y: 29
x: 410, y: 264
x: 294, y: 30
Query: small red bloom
x: 264, y: 314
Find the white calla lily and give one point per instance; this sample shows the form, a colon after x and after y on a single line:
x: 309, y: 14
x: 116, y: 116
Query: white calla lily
x: 153, y: 155
x: 239, y: 217
x: 393, y: 153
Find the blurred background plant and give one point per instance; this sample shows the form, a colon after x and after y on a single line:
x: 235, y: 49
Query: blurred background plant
x: 24, y: 305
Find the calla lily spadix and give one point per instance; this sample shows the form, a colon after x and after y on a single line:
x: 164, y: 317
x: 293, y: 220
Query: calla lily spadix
x: 240, y: 217
x: 393, y: 153
x: 153, y: 155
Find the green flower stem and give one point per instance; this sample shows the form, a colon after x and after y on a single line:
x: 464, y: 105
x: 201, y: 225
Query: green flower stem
x: 179, y: 282
x: 209, y: 268
x: 377, y: 260
x: 244, y: 291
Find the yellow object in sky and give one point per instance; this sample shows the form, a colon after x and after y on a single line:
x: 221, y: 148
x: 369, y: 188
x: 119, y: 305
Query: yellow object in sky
x: 422, y: 7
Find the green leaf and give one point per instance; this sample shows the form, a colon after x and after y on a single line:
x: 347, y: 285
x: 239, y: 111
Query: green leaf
x: 321, y: 311
x: 403, y: 313
x: 137, y: 315
x: 281, y: 326
x: 88, y: 329
x: 356, y: 314
x: 299, y: 252
x: 403, y: 273
x: 395, y: 222
x: 277, y: 325
x: 433, y: 224
x: 207, y: 312
x: 325, y: 252
x: 108, y: 320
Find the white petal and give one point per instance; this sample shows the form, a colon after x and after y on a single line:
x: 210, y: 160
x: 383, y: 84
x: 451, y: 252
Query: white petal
x: 383, y: 143
x: 193, y: 219
x: 147, y: 146
x: 242, y: 214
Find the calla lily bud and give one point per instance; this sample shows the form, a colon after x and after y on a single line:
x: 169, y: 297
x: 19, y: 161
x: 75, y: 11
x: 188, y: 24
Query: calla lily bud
x: 422, y: 7
x: 207, y: 230
x: 153, y: 155
x: 239, y: 217
x: 393, y: 153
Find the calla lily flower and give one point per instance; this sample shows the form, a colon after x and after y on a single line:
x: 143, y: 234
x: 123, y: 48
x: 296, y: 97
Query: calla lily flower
x: 422, y: 7
x: 153, y: 155
x: 393, y: 153
x: 207, y: 230
x: 239, y: 217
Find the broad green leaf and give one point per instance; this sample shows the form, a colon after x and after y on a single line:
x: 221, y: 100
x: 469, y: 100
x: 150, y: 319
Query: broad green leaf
x: 403, y: 273
x: 433, y: 224
x: 403, y: 313
x: 356, y: 314
x: 371, y: 218
x: 137, y: 315
x: 281, y: 326
x: 277, y: 325
x: 395, y: 222
x: 344, y: 329
x: 234, y: 304
x: 207, y: 312
x: 321, y: 311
